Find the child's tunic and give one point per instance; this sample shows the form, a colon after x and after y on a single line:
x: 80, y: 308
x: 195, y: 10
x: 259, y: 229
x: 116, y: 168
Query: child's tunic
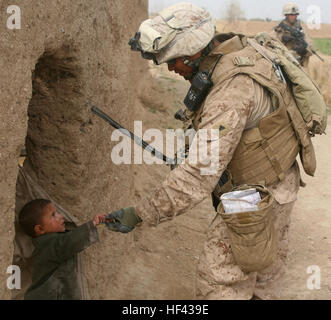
x: 54, y: 275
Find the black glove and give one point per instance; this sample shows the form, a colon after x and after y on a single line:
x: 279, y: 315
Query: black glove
x: 123, y: 220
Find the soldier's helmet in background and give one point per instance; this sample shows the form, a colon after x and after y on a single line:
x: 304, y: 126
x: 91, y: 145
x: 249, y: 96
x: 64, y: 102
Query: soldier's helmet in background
x: 177, y: 31
x: 290, y: 8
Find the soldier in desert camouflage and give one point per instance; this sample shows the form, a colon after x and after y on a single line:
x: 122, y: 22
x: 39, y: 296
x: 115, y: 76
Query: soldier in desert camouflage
x: 244, y: 112
x: 291, y: 33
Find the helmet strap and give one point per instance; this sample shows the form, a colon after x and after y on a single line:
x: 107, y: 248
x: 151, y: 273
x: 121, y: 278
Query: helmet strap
x: 195, y: 64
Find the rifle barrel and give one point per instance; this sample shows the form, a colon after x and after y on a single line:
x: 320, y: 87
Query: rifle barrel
x: 131, y: 135
x: 317, y: 55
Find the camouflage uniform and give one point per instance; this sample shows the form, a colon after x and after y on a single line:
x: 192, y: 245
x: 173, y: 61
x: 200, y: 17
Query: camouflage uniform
x: 283, y: 34
x: 235, y: 105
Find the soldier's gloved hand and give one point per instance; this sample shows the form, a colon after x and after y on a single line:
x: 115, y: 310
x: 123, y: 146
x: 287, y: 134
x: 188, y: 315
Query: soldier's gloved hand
x: 123, y: 220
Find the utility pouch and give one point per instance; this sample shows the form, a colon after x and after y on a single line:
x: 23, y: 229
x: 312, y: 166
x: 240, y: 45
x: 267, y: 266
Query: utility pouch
x: 252, y: 235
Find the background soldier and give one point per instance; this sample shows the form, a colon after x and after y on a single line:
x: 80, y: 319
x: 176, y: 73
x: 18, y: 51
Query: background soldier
x: 257, y: 143
x: 291, y: 33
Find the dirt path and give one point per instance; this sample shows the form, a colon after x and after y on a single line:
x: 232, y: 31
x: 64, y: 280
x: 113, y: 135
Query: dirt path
x: 310, y: 238
x: 254, y: 27
x: 166, y: 256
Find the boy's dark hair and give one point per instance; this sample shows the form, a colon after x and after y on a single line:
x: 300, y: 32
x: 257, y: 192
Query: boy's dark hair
x: 31, y: 214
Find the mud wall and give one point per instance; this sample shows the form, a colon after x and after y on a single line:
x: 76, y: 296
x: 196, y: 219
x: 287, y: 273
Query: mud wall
x: 64, y: 53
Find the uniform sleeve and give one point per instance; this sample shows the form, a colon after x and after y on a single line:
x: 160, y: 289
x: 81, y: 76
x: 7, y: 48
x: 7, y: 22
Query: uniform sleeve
x: 66, y: 244
x: 223, y: 120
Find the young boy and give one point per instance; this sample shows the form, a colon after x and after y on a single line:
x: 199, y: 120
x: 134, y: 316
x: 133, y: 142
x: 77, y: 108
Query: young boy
x: 54, y: 258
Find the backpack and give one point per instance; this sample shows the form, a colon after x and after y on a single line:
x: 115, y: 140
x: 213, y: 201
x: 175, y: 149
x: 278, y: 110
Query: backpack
x: 308, y: 97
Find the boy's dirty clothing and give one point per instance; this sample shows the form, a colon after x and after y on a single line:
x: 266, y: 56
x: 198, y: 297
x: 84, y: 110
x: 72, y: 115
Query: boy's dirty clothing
x: 54, y: 274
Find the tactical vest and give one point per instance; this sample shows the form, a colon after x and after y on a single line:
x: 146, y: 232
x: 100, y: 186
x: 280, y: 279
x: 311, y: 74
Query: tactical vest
x: 266, y: 152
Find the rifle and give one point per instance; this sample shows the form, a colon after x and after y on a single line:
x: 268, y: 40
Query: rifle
x: 298, y: 37
x: 224, y: 178
x: 316, y: 54
x: 131, y: 135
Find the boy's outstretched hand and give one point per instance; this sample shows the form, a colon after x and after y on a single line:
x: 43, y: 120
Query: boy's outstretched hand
x: 98, y: 219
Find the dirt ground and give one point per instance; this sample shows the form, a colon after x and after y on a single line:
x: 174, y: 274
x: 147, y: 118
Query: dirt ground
x: 320, y: 72
x: 310, y: 240
x: 253, y: 27
x: 171, y: 264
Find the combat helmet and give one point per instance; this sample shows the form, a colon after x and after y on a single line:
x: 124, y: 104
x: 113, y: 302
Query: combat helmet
x: 177, y: 31
x: 290, y: 8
